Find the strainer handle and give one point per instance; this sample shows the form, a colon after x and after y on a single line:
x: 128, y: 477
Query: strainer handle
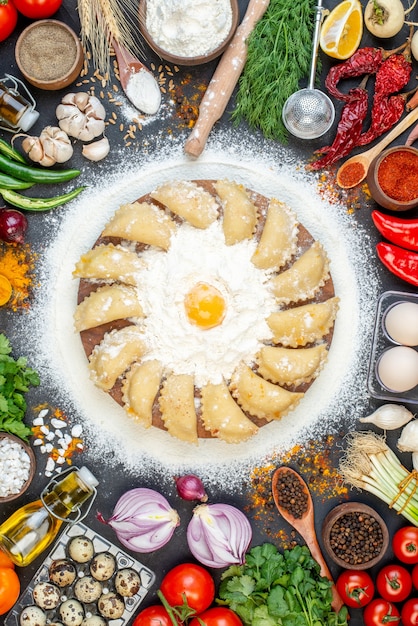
x: 315, y: 43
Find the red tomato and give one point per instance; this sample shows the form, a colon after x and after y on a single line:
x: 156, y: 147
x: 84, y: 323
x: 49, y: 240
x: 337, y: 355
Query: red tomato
x: 37, y: 9
x: 189, y: 582
x: 379, y: 612
x: 405, y: 544
x: 356, y: 588
x: 394, y: 583
x: 409, y: 613
x: 218, y: 616
x: 155, y: 615
x: 415, y: 576
x: 8, y: 18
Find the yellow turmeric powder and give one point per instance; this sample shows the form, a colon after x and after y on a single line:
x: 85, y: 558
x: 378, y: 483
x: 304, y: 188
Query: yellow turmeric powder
x: 17, y: 265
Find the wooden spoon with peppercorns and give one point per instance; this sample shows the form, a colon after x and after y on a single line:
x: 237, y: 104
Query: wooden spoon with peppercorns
x: 294, y: 503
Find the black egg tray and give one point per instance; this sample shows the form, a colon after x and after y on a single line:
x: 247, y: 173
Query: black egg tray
x: 59, y: 551
x: 381, y: 342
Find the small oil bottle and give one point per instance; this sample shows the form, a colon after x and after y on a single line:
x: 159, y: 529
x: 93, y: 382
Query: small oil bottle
x: 31, y: 529
x: 16, y: 112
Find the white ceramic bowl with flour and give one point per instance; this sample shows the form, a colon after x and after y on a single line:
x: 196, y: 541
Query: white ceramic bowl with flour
x: 188, y: 32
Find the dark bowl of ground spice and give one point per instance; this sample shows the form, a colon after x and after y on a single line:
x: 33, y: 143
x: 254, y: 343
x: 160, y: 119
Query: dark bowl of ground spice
x: 49, y: 54
x: 393, y: 178
x: 355, y: 536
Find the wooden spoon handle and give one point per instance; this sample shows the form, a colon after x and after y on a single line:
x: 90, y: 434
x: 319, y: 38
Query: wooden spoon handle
x: 225, y: 78
x: 312, y: 543
x: 395, y: 132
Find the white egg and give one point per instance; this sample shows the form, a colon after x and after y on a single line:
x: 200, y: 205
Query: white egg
x: 397, y: 368
x: 401, y: 323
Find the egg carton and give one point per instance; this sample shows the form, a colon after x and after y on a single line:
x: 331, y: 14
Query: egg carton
x: 381, y: 342
x: 59, y: 551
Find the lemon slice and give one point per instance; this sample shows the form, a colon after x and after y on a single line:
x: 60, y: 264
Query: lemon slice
x: 5, y: 290
x: 342, y: 30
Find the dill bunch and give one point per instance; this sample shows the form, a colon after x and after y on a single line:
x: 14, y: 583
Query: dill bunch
x: 279, y: 56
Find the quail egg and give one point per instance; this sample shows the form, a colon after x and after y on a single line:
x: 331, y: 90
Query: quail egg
x: 32, y: 616
x: 87, y: 589
x: 71, y: 612
x: 94, y: 620
x: 103, y: 566
x: 62, y: 572
x: 46, y: 595
x: 81, y: 549
x: 127, y: 582
x: 111, y: 605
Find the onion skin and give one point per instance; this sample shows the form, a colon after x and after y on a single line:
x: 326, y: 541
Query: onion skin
x: 190, y: 487
x: 143, y: 520
x: 219, y: 535
x: 13, y: 225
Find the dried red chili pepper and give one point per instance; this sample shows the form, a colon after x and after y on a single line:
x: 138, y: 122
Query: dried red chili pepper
x: 393, y: 74
x: 402, y: 263
x: 348, y: 130
x: 400, y: 231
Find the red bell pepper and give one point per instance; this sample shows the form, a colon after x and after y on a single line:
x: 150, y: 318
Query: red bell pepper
x: 402, y: 263
x: 402, y: 232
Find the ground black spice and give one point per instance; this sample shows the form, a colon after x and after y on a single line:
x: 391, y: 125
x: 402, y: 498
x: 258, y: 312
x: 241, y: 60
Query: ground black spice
x: 48, y: 52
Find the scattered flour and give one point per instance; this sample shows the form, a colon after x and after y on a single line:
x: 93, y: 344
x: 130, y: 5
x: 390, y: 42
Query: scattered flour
x: 333, y: 403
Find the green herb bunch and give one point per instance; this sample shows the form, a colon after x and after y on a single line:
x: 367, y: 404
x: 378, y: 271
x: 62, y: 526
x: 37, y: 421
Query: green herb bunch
x: 15, y: 380
x: 279, y: 56
x: 275, y: 589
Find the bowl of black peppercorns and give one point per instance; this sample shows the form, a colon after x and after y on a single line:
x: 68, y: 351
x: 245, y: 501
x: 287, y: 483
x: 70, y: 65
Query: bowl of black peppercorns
x: 355, y: 536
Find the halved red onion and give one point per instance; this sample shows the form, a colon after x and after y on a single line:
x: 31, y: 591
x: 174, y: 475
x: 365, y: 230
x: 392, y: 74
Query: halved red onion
x: 143, y: 520
x: 219, y: 535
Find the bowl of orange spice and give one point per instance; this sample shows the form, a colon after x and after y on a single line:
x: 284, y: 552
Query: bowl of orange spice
x: 393, y: 178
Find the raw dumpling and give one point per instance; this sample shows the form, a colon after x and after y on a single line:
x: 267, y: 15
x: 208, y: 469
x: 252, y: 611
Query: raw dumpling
x: 139, y: 390
x: 189, y: 201
x: 260, y: 397
x: 109, y: 262
x: 290, y: 366
x: 239, y: 213
x: 108, y: 303
x: 304, y: 278
x: 303, y: 324
x: 222, y: 416
x: 278, y: 241
x: 141, y: 222
x: 114, y: 354
x: 177, y: 407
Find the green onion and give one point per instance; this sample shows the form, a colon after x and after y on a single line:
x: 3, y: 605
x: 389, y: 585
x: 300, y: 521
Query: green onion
x: 369, y: 464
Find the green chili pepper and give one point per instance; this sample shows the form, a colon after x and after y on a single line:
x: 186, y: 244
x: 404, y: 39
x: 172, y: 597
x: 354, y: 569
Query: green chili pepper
x: 38, y: 204
x: 8, y: 182
x: 32, y: 174
x: 9, y: 151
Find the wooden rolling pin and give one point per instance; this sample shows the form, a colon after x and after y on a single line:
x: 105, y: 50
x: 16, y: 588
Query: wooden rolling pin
x: 225, y: 78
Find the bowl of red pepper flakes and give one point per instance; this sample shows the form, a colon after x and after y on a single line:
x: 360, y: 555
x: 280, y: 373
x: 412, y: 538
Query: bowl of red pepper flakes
x: 393, y: 178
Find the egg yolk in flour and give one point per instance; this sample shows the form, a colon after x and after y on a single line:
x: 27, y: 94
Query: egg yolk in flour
x: 205, y: 306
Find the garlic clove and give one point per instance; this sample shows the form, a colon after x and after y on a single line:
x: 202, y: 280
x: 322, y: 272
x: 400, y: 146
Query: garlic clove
x: 97, y: 150
x: 389, y: 417
x: 408, y: 441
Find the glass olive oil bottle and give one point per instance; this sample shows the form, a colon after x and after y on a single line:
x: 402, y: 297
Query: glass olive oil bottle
x: 31, y: 529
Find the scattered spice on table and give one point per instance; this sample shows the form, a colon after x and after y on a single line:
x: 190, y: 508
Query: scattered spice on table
x: 398, y: 175
x: 56, y: 437
x: 351, y: 199
x: 17, y: 264
x: 356, y: 538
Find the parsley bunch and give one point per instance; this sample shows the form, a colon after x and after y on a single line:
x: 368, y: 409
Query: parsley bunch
x: 275, y: 589
x: 15, y: 380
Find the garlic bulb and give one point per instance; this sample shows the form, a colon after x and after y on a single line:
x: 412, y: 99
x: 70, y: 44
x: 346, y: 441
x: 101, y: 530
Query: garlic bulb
x: 408, y: 441
x: 389, y: 417
x: 97, y: 150
x: 415, y: 460
x: 52, y: 146
x: 81, y: 116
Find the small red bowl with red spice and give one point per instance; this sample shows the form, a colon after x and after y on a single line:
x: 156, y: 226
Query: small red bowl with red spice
x: 393, y: 178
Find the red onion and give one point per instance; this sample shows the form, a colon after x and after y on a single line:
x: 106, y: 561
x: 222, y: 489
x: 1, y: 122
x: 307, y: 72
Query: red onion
x: 13, y: 225
x: 143, y: 520
x: 190, y: 487
x: 219, y: 535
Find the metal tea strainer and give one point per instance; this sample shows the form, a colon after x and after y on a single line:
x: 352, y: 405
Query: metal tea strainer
x: 309, y: 113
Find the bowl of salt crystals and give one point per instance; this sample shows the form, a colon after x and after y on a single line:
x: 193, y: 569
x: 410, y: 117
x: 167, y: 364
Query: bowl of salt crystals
x: 17, y: 467
x: 188, y: 32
